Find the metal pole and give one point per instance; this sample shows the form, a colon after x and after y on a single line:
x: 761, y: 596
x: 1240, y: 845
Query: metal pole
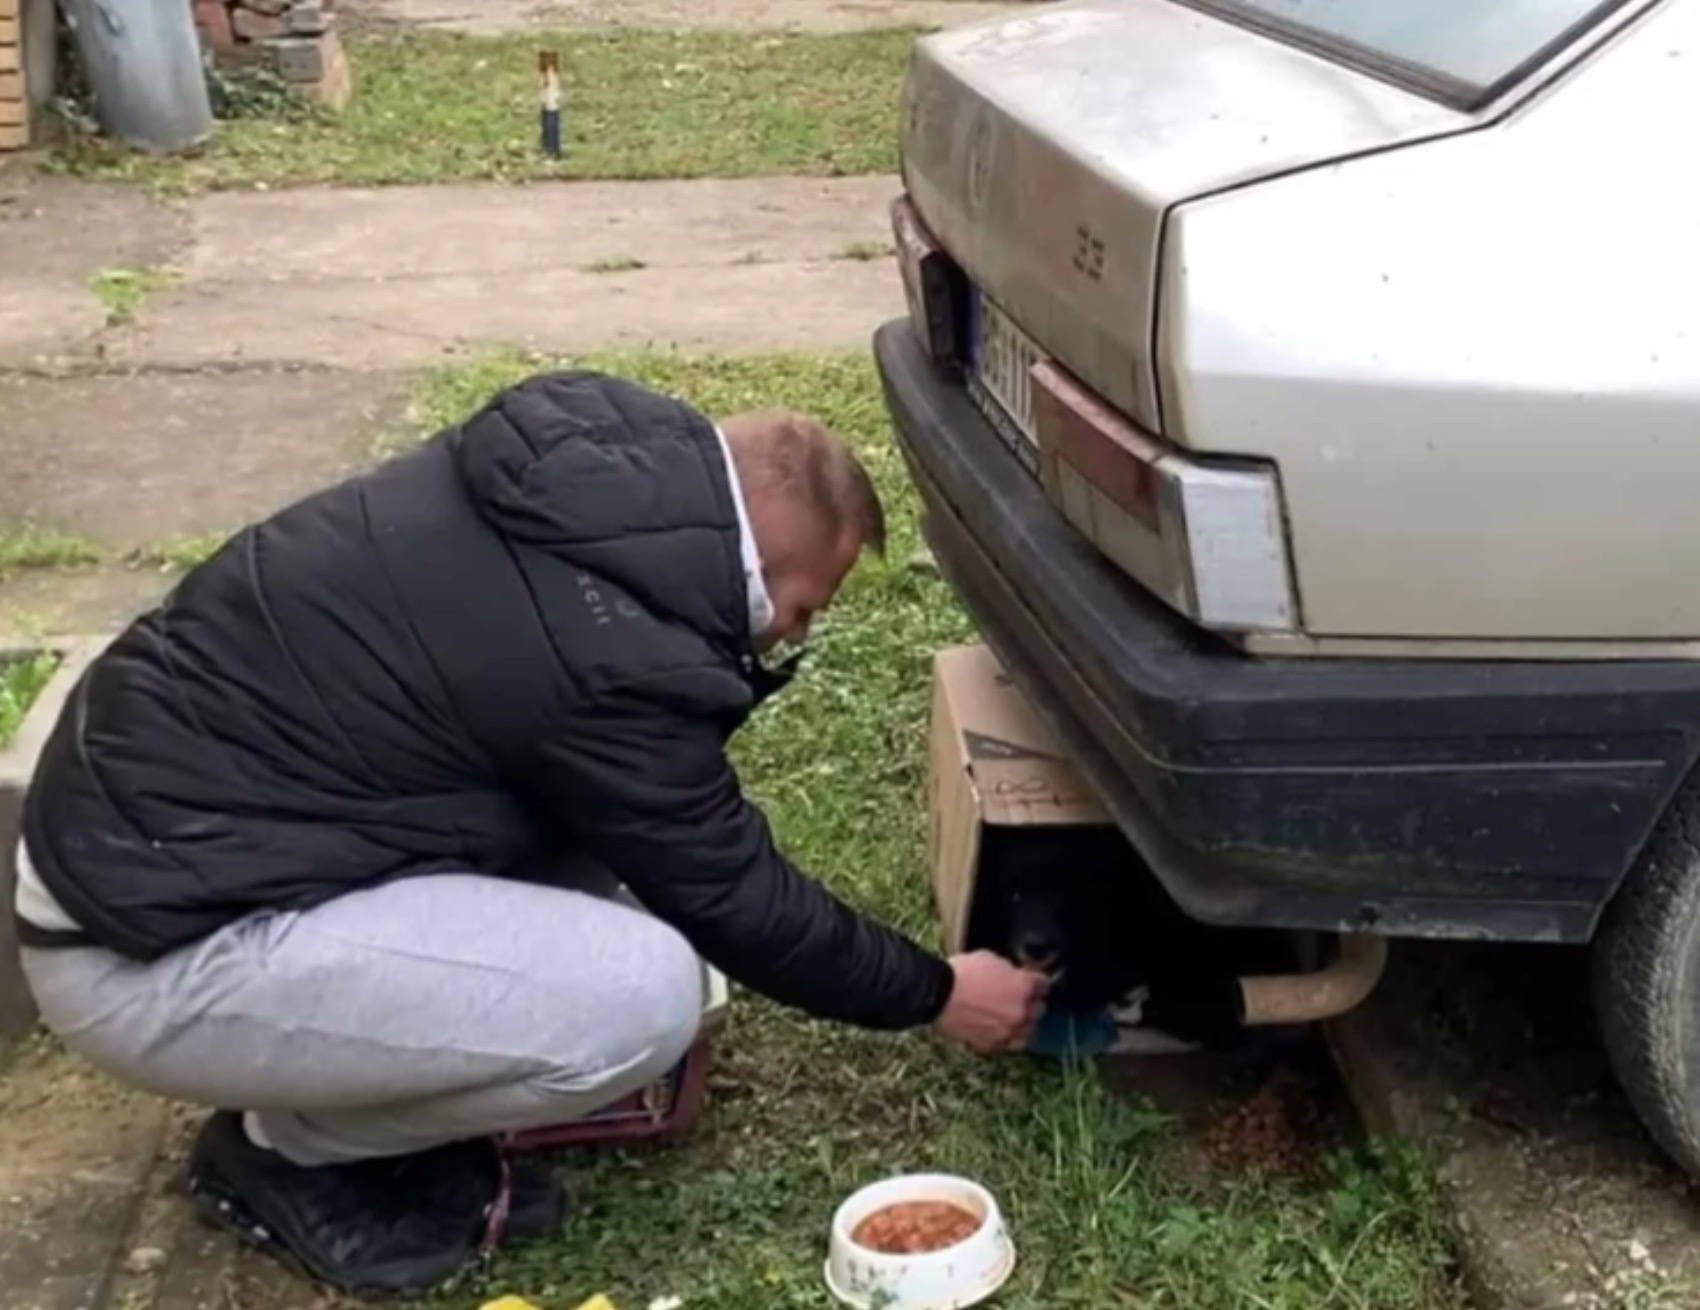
x: 549, y: 66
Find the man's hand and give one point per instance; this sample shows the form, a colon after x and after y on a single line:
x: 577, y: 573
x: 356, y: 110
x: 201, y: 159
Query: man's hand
x: 993, y: 1005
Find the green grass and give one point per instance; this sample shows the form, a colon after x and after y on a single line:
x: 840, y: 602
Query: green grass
x: 615, y: 264
x: 21, y: 681
x: 121, y: 291
x: 435, y: 107
x: 31, y: 547
x: 866, y: 251
x: 1108, y: 1207
x: 176, y: 554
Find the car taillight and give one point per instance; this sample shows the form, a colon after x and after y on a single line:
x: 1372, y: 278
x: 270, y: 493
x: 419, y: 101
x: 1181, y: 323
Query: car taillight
x: 936, y: 288
x: 1208, y: 538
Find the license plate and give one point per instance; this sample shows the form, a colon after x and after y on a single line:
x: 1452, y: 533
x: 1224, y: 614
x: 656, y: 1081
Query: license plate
x: 1000, y: 363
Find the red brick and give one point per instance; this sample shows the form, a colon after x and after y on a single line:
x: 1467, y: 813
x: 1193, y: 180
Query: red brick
x: 212, y: 19
x: 251, y: 25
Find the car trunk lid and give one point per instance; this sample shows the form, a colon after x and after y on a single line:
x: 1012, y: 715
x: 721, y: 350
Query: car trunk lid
x: 1043, y: 152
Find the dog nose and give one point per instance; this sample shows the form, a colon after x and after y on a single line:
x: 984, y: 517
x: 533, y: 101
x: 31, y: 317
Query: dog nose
x: 1035, y: 948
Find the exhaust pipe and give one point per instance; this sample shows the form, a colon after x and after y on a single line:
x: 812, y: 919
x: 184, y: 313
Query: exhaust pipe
x: 1144, y: 1025
x: 1280, y: 1000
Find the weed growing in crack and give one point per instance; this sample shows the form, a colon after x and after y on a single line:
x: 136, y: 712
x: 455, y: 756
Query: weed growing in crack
x: 33, y: 547
x: 615, y: 264
x: 121, y: 291
x: 177, y: 554
x: 866, y: 251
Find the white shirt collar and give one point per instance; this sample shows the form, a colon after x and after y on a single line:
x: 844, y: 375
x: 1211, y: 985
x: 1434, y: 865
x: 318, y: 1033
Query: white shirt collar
x: 761, y: 605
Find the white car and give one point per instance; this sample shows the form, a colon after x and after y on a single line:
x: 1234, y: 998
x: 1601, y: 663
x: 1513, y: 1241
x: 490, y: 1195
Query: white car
x: 1305, y: 400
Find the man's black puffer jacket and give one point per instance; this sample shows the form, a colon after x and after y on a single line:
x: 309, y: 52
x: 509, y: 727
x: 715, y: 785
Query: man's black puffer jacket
x: 530, y: 634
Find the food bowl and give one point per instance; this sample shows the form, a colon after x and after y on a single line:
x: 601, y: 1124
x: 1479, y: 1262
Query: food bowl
x: 951, y: 1278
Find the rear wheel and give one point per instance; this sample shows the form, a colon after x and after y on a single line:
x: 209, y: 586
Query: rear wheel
x: 1646, y: 967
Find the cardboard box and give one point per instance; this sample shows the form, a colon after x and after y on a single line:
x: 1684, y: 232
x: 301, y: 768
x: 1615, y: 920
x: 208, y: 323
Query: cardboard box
x: 994, y: 774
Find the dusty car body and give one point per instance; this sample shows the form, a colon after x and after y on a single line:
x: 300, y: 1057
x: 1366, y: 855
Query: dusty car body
x: 1305, y: 401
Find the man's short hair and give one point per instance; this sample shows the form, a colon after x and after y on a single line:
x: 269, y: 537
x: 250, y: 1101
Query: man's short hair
x: 801, y: 457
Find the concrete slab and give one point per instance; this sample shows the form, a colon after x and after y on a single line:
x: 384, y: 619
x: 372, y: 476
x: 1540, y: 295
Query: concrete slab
x: 134, y: 460
x: 416, y: 322
x: 55, y: 235
x: 493, y: 17
x: 74, y: 1161
x: 1488, y: 1057
x: 383, y: 279
x: 66, y: 229
x: 377, y: 279
x: 81, y: 600
x: 319, y: 234
x: 206, y: 428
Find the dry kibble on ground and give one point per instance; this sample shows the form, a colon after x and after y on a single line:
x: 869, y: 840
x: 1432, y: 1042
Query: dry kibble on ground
x: 1272, y: 1132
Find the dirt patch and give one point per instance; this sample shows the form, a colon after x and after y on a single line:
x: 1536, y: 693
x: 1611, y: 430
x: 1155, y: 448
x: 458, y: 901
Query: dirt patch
x: 1274, y: 1107
x: 1488, y: 1056
x: 1280, y: 1129
x: 74, y: 1152
x: 90, y: 1175
x: 172, y: 1261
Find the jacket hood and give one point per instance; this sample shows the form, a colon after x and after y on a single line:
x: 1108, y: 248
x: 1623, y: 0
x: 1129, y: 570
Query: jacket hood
x: 617, y: 479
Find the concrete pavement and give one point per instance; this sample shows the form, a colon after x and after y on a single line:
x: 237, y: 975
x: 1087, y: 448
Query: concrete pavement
x: 288, y: 327
x: 396, y: 278
x: 488, y: 17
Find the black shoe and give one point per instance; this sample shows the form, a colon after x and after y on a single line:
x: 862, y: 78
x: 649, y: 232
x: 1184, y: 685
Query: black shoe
x: 394, y: 1225
x: 523, y: 1201
x: 537, y: 1206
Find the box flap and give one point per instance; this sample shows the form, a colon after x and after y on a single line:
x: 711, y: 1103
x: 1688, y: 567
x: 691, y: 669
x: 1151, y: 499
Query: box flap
x: 1018, y: 773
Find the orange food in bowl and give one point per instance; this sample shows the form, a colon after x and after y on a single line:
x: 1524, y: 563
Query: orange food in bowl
x: 915, y: 1228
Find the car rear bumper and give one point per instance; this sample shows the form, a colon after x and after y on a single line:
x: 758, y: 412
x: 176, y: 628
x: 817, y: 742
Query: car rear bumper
x: 1423, y: 798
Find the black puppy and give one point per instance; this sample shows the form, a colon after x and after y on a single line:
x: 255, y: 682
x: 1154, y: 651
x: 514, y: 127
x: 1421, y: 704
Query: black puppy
x: 1085, y: 908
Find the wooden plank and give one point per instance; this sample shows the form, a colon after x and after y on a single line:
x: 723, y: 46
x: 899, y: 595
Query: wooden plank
x: 12, y: 114
x: 11, y: 59
x: 11, y: 86
x: 14, y: 136
x: 10, y: 27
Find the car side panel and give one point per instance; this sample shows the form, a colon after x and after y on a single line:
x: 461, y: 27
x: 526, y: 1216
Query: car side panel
x: 1476, y: 362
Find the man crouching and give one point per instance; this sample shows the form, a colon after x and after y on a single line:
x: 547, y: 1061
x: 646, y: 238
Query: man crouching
x: 329, y: 839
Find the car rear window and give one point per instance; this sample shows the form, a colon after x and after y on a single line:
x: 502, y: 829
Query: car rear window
x: 1464, y: 52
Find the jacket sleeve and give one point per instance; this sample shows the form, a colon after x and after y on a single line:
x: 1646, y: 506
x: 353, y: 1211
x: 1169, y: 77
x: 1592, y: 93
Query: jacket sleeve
x: 645, y: 787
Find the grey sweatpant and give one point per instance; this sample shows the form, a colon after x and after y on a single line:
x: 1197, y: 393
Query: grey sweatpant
x: 395, y: 1019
